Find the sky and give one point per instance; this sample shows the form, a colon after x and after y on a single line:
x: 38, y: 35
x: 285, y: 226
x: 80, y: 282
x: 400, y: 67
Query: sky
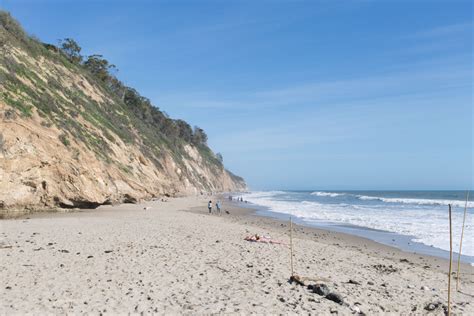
x: 296, y: 94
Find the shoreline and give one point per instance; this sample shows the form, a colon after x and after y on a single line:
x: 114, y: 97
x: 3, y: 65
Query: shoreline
x: 172, y: 257
x: 414, y: 221
x: 397, y: 241
x: 401, y: 242
x: 249, y: 215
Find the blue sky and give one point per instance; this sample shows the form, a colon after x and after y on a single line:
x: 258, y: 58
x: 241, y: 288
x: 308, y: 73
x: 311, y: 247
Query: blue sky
x: 296, y: 94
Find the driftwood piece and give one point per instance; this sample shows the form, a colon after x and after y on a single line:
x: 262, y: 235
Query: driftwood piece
x: 303, y: 280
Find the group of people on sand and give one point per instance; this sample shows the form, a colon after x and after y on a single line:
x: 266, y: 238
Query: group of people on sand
x: 238, y: 199
x: 218, y: 206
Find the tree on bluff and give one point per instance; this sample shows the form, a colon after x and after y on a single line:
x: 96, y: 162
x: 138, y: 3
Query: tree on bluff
x: 142, y: 107
x: 220, y: 158
x: 99, y: 67
x: 199, y: 136
x: 71, y: 49
x: 185, y: 131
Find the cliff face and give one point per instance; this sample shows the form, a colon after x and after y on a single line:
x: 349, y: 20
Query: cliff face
x: 68, y: 139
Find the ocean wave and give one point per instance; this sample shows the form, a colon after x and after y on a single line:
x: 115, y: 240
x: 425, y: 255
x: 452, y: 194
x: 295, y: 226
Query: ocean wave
x: 329, y: 194
x: 455, y: 203
x: 262, y: 194
x: 425, y: 225
x: 414, y: 201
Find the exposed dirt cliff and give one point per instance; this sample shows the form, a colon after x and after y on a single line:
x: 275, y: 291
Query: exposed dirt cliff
x: 71, y: 139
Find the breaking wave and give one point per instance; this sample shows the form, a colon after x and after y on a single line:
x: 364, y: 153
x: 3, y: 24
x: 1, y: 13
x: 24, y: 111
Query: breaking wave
x: 456, y: 203
x: 330, y: 194
x: 423, y: 219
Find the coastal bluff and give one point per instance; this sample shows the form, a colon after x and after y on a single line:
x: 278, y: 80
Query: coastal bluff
x: 73, y: 136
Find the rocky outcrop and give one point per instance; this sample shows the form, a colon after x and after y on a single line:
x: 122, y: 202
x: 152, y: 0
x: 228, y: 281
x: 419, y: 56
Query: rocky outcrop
x: 37, y: 171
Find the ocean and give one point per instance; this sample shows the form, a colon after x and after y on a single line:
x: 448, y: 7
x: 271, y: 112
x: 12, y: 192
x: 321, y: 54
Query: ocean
x: 415, y: 221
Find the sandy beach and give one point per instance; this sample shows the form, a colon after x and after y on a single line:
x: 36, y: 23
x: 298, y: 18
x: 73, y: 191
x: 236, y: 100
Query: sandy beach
x: 174, y: 258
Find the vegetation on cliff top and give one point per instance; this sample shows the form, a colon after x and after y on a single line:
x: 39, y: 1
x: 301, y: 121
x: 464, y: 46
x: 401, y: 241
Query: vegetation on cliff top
x: 122, y: 113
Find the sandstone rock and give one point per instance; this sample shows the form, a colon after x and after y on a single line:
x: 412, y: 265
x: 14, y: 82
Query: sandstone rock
x: 355, y: 309
x: 353, y: 282
x: 431, y: 307
x: 335, y: 297
x: 321, y: 289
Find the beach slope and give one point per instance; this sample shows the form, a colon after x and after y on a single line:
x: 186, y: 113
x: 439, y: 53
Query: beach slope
x: 172, y: 257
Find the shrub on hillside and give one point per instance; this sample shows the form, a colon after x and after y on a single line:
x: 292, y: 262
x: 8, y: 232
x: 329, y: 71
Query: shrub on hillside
x: 12, y: 26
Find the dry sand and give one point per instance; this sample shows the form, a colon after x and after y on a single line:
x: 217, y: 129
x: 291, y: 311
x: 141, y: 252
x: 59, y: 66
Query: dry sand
x: 173, y: 258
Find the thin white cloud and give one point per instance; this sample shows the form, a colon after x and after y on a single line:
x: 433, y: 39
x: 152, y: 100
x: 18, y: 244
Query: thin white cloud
x: 436, y: 40
x: 412, y: 83
x: 443, y: 31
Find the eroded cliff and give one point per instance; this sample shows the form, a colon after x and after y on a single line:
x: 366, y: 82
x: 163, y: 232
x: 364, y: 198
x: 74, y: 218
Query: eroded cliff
x: 72, y: 138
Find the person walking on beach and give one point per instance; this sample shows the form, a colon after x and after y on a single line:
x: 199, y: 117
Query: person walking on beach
x: 218, y: 207
x: 209, y: 206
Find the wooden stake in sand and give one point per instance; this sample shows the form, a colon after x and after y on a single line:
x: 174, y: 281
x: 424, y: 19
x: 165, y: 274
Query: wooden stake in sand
x: 460, y: 243
x: 294, y: 277
x: 291, y: 247
x: 450, y: 260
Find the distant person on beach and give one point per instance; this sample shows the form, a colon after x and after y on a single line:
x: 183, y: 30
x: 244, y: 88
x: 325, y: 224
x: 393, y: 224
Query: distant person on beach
x: 209, y: 206
x: 218, y: 206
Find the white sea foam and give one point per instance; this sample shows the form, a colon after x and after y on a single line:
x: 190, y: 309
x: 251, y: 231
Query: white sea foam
x: 455, y: 203
x: 427, y: 225
x: 330, y: 194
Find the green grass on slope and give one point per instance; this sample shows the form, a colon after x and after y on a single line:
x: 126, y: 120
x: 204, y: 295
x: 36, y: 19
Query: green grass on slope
x: 124, y: 115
